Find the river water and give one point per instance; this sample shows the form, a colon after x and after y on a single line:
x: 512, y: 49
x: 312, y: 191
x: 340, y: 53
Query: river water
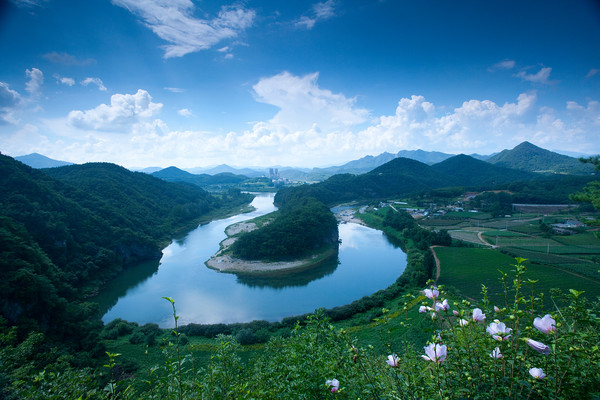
x: 366, y: 262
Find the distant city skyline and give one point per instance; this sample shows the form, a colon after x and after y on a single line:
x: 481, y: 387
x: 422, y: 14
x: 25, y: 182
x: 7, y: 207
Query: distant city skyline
x: 186, y: 83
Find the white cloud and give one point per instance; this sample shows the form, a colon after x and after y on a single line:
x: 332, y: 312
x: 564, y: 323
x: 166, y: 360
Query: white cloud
x: 10, y: 101
x: 36, y: 80
x: 64, y: 80
x: 173, y: 21
x: 476, y: 125
x: 303, y: 104
x: 175, y: 90
x: 542, y: 76
x: 29, y: 3
x: 504, y: 64
x: 319, y: 12
x: 124, y: 111
x: 94, y: 81
x: 184, y: 112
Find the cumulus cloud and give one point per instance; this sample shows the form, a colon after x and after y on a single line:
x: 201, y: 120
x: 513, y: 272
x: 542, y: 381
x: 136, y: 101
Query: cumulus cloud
x: 124, y: 111
x: 319, y: 12
x: 94, y: 81
x: 303, y: 104
x: 36, y: 80
x: 64, y: 80
x: 542, y: 76
x: 184, y: 112
x: 175, y: 23
x: 10, y: 100
x: 476, y: 124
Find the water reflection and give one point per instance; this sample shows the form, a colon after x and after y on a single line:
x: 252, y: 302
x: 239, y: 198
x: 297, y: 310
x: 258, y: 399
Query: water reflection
x: 127, y: 280
x: 286, y: 279
x: 366, y: 262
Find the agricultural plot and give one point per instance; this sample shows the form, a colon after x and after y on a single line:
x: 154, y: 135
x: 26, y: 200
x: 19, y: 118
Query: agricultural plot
x: 466, y: 269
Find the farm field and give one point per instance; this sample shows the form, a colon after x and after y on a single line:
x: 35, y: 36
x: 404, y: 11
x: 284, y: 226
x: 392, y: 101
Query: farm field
x: 466, y: 269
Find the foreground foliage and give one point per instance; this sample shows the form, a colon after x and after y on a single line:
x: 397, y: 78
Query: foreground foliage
x: 513, y: 349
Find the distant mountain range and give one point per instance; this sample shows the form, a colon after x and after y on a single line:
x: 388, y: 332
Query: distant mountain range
x: 524, y: 157
x: 403, y: 177
x: 35, y: 160
x: 174, y: 174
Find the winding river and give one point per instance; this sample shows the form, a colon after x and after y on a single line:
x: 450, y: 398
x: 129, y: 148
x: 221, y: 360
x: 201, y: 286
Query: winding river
x: 366, y: 262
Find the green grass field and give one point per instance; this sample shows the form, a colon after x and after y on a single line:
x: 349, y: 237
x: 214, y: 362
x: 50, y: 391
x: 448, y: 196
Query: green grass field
x: 466, y: 269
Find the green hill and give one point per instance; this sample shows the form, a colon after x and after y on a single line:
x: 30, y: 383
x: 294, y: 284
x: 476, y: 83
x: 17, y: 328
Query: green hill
x: 67, y: 230
x: 174, y: 174
x: 468, y: 171
x: 528, y: 157
x: 401, y: 176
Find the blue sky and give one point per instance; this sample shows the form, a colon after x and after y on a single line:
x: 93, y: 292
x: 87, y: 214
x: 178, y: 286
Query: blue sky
x: 305, y: 83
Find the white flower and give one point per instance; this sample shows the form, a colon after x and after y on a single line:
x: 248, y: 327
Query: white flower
x: 538, y: 346
x: 498, y: 330
x: 432, y: 293
x: 537, y: 373
x: 435, y: 352
x: 442, y: 306
x: 334, y: 383
x: 478, y: 315
x: 545, y: 324
x: 496, y: 353
x: 392, y: 360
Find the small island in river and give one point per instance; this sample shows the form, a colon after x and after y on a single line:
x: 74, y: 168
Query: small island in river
x: 226, y: 259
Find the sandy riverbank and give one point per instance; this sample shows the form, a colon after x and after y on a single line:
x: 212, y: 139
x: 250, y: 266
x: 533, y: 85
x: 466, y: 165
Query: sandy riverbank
x: 224, y: 262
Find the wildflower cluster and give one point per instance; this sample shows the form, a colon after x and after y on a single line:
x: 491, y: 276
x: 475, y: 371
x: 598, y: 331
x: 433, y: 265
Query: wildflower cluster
x: 468, y: 356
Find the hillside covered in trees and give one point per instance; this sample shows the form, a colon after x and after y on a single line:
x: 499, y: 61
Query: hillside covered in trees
x: 301, y: 227
x: 66, y: 231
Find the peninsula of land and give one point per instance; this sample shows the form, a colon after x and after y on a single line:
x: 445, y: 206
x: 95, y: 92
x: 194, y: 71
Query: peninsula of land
x: 223, y: 260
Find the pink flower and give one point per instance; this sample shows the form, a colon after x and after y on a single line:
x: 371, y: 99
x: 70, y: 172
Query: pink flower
x: 424, y: 309
x: 478, y: 315
x: 392, y: 360
x: 498, y: 330
x: 537, y: 373
x: 496, y: 309
x: 334, y: 383
x: 456, y: 314
x: 432, y: 293
x: 538, y: 346
x: 463, y: 322
x: 545, y: 324
x: 435, y: 352
x: 442, y: 306
x: 496, y: 353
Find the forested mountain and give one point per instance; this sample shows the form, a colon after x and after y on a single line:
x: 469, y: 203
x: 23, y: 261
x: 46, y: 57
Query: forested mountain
x: 67, y: 230
x: 427, y: 157
x: 401, y: 176
x: 174, y: 174
x: 299, y: 228
x: 528, y: 157
x: 467, y: 171
x: 36, y: 160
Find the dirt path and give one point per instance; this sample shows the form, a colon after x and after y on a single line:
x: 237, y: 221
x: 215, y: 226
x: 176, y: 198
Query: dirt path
x: 437, y: 264
x: 480, y: 237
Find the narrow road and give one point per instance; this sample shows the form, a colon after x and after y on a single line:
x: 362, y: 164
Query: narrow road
x: 437, y: 264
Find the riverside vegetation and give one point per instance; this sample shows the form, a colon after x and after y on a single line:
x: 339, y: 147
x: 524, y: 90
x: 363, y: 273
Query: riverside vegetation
x: 423, y: 344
